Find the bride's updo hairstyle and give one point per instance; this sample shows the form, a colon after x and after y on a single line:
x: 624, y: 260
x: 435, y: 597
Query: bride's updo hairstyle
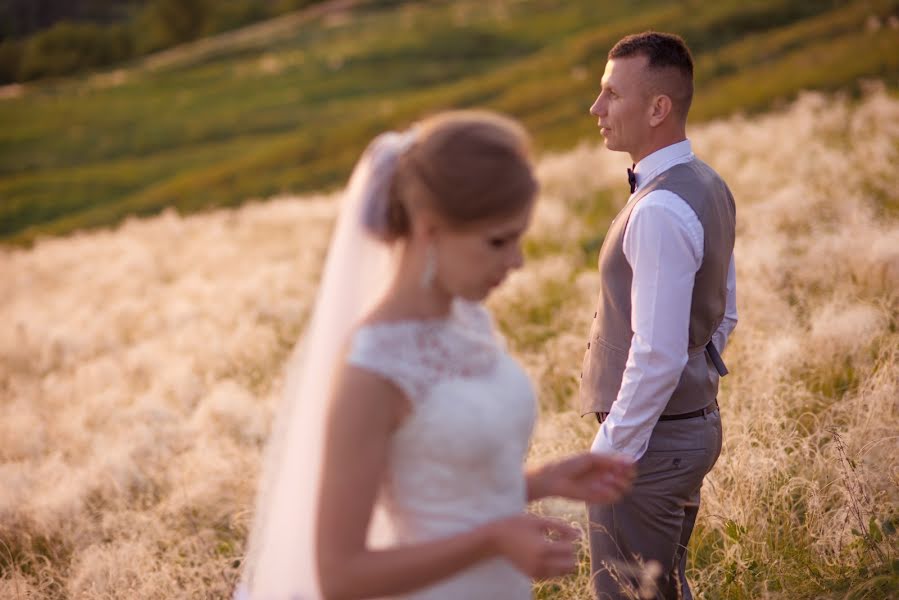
x: 463, y: 166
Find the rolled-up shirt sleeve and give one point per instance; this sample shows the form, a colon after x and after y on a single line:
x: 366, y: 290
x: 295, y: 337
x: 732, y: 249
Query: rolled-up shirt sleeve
x: 729, y: 323
x: 663, y: 246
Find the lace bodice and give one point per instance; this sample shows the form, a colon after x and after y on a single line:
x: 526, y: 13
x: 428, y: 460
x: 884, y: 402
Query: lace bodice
x: 457, y: 459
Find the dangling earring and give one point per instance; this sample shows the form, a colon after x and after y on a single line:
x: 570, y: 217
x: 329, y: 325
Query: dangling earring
x: 430, y: 270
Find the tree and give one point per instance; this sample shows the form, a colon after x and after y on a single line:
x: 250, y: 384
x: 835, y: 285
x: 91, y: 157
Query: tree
x: 169, y: 22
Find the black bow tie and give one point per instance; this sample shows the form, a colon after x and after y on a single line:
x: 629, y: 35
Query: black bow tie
x: 632, y: 178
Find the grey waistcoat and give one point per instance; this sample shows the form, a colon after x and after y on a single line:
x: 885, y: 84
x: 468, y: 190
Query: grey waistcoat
x: 610, y: 336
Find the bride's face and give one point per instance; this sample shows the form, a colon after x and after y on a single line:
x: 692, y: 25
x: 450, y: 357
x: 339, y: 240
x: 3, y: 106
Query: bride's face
x: 473, y: 261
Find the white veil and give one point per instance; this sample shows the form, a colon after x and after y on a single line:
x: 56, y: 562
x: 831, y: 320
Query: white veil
x: 280, y: 562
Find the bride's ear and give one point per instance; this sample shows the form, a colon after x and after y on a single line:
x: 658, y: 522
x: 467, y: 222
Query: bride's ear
x: 424, y: 224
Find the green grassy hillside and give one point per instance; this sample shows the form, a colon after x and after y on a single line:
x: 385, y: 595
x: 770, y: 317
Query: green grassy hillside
x: 288, y: 105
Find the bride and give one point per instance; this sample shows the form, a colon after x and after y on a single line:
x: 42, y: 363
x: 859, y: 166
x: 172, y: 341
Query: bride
x: 396, y: 467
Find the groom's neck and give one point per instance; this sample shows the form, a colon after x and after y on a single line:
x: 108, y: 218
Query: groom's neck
x: 659, y: 140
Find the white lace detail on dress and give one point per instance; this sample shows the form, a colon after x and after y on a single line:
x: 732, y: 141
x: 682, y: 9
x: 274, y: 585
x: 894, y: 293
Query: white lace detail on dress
x: 416, y: 354
x: 456, y: 461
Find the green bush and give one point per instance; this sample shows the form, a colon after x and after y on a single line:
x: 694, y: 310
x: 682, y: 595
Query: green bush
x: 72, y: 47
x: 289, y: 5
x: 233, y: 14
x: 10, y: 61
x: 165, y: 23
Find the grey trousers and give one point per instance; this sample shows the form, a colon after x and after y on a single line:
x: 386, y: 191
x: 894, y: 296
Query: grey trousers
x: 653, y: 523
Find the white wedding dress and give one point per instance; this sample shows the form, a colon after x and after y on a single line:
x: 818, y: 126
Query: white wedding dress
x: 457, y: 459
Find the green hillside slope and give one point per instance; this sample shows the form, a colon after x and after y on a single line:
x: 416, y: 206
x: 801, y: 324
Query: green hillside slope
x: 287, y: 105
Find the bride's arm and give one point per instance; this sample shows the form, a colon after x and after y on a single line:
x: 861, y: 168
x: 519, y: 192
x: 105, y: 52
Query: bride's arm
x: 594, y: 478
x: 366, y: 410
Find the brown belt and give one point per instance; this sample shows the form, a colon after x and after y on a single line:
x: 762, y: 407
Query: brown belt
x: 601, y: 416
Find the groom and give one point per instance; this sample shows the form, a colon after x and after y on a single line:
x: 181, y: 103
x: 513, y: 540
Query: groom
x: 666, y: 307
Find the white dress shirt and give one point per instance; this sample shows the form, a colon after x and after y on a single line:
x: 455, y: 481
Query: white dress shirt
x: 663, y: 243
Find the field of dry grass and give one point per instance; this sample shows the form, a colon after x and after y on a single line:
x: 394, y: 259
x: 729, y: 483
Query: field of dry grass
x: 139, y: 368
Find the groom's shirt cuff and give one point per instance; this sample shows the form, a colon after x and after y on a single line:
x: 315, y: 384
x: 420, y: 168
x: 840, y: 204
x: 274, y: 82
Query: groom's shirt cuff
x: 729, y: 323
x: 663, y: 244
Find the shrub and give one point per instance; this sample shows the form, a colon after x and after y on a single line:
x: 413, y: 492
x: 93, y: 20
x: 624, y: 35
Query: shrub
x: 168, y: 22
x: 10, y: 60
x: 71, y: 47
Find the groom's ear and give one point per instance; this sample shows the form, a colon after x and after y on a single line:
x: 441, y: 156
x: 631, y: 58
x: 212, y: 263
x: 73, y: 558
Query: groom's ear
x: 660, y: 109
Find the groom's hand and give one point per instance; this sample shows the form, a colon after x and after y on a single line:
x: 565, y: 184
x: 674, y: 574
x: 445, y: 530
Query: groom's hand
x: 593, y: 478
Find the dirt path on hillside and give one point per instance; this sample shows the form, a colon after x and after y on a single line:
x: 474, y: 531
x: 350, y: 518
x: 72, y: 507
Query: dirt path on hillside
x: 249, y: 36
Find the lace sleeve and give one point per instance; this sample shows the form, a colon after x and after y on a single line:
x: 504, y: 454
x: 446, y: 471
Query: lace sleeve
x: 416, y: 355
x: 389, y: 353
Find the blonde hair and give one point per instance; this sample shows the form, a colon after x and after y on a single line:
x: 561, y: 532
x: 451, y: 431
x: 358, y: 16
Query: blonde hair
x: 464, y: 166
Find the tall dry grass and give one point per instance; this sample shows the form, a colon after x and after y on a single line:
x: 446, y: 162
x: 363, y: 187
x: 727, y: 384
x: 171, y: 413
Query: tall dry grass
x: 139, y: 368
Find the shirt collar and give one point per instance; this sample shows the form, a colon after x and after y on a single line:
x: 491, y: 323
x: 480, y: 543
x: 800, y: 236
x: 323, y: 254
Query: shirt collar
x: 661, y: 160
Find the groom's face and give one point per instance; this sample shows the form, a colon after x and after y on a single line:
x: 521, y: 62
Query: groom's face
x: 622, y: 107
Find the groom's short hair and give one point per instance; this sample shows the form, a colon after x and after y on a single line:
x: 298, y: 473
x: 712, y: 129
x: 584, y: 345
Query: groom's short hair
x: 670, y: 62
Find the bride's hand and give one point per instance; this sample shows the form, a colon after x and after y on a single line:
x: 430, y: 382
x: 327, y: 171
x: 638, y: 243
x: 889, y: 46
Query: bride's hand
x: 593, y: 478
x: 538, y: 546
